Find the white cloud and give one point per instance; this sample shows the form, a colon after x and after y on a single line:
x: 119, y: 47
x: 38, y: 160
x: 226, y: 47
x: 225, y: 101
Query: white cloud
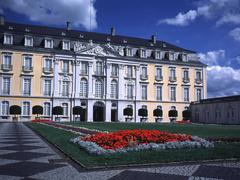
x: 180, y: 19
x: 223, y: 81
x: 212, y: 57
x: 55, y: 11
x: 235, y: 33
x: 229, y: 18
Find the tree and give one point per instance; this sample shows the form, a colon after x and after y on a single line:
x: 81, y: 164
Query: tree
x: 186, y: 114
x: 157, y: 113
x: 78, y: 110
x: 15, y: 110
x: 57, y: 110
x: 128, y: 111
x: 37, y: 110
x: 144, y: 113
x: 172, y: 114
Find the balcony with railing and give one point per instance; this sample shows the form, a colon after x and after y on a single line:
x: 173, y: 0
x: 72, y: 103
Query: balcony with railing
x: 144, y: 77
x: 158, y: 78
x: 27, y: 69
x: 48, y: 70
x: 6, y: 67
x: 198, y: 81
x: 186, y: 80
x: 172, y: 79
x: 99, y: 73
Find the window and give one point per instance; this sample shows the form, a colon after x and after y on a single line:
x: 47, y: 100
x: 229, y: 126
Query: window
x: 172, y: 73
x: 46, y: 109
x: 6, y: 86
x: 185, y: 74
x: 28, y: 41
x: 26, y: 109
x: 83, y: 88
x: 144, y: 72
x: 198, y: 76
x: 199, y: 94
x: 99, y: 68
x: 159, y: 93
x: 47, y: 64
x: 143, y: 53
x: 129, y: 71
x: 66, y: 45
x: 129, y: 91
x: 27, y: 63
x: 159, y: 107
x: 65, y: 88
x: 159, y: 73
x: 173, y: 93
x: 184, y: 57
x: 171, y: 56
x: 47, y: 87
x: 26, y: 86
x: 48, y: 43
x: 128, y: 52
x: 173, y: 108
x: 157, y: 55
x: 186, y: 94
x: 7, y: 61
x: 144, y: 92
x: 65, y: 67
x: 5, y: 108
x: 8, y: 39
x: 114, y: 89
x: 114, y: 70
x: 65, y: 109
x: 84, y: 68
x: 98, y: 89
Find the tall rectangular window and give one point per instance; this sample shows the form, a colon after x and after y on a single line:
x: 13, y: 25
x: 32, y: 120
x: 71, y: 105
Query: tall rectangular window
x: 7, y: 61
x: 65, y: 88
x: 47, y: 87
x: 199, y: 94
x: 186, y: 94
x: 99, y: 68
x: 114, y: 70
x: 144, y: 92
x: 98, y: 89
x: 6, y: 86
x: 47, y: 64
x: 83, y: 88
x: 158, y: 73
x: 173, y: 93
x: 172, y: 73
x: 26, y: 86
x: 114, y: 89
x: 65, y: 67
x: 129, y: 91
x: 48, y: 43
x: 26, y: 109
x: 46, y: 109
x: 65, y: 109
x: 159, y: 93
x: 198, y: 75
x: 185, y: 74
x: 8, y: 39
x: 28, y: 41
x: 5, y: 108
x: 84, y: 68
x: 129, y: 71
x: 27, y: 63
x: 66, y: 45
x: 144, y: 72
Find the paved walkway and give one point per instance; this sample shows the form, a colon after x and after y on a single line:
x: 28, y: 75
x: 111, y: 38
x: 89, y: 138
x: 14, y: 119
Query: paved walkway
x: 23, y: 155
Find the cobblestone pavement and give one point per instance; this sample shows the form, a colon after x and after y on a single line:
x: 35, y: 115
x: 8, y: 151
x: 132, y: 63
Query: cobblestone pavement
x: 23, y: 155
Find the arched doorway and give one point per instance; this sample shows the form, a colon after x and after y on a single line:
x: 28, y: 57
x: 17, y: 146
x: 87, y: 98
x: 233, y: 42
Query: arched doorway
x: 98, y: 111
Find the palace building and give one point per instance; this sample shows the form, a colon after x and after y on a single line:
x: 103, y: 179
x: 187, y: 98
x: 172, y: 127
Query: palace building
x: 102, y: 73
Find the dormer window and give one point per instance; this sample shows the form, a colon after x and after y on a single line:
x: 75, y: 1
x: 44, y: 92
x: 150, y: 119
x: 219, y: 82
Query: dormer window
x: 184, y: 57
x: 48, y: 43
x: 65, y: 45
x: 157, y: 55
x: 8, y: 39
x: 128, y: 51
x: 28, y: 41
x: 171, y: 56
x: 143, y: 53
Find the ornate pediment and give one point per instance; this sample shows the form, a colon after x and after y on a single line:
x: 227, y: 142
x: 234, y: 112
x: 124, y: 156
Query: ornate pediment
x: 97, y: 49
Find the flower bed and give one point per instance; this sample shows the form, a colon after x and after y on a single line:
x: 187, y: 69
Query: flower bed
x: 134, y: 140
x: 41, y: 121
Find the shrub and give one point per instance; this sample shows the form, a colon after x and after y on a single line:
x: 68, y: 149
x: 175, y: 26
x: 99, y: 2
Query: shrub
x: 77, y: 110
x: 128, y: 112
x: 158, y: 113
x: 37, y: 110
x: 173, y: 113
x: 15, y: 110
x: 186, y: 115
x: 143, y: 112
x: 57, y: 110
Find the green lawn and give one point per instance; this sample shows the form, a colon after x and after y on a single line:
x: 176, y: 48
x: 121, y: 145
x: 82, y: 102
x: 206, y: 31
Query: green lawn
x: 61, y: 139
x: 202, y: 130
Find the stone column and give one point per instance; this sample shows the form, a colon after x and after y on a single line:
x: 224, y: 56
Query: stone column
x: 56, y: 78
x: 78, y: 78
x: 90, y: 81
x: 138, y: 86
x: 108, y: 84
x: 121, y: 106
x: 90, y: 111
x: 108, y: 106
x: 121, y: 83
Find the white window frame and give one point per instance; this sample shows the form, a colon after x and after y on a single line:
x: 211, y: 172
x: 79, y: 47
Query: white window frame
x: 159, y: 98
x: 84, y: 68
x: 4, y: 55
x: 26, y: 41
x: 24, y: 62
x: 144, y: 91
x: 172, y: 75
x: 143, y: 53
x: 144, y: 68
x: 23, y: 87
x: 5, y: 41
x: 83, y: 87
x: 196, y: 93
x: 172, y: 98
x: 67, y: 86
x: 29, y: 110
x: 99, y: 89
x: 66, y: 45
x: 114, y: 71
x: 64, y: 70
x: 114, y: 89
x: 48, y: 43
x: 129, y: 51
x: 130, y: 69
x: 186, y: 99
x: 158, y: 55
x: 5, y: 110
x: 45, y: 63
x: 44, y: 109
x: 44, y: 90
x: 130, y: 94
x: 65, y: 109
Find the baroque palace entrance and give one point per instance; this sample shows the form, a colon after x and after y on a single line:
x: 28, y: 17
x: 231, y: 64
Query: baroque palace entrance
x: 98, y: 111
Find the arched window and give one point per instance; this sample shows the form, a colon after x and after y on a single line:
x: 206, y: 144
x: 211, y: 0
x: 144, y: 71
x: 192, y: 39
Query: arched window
x: 83, y: 87
x: 26, y: 108
x: 114, y: 89
x: 5, y: 108
x: 159, y: 107
x: 98, y: 89
x: 46, y: 109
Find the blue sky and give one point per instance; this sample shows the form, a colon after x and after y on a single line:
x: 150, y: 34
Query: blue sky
x: 209, y: 27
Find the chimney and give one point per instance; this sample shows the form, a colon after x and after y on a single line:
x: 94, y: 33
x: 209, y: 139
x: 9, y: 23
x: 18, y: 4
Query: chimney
x: 113, y: 31
x: 154, y: 39
x: 68, y: 25
x: 2, y: 20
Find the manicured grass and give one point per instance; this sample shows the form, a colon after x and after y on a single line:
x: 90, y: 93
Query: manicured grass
x: 202, y: 130
x: 61, y: 139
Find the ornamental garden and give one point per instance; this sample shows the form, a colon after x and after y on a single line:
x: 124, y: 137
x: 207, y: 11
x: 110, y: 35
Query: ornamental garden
x: 95, y: 145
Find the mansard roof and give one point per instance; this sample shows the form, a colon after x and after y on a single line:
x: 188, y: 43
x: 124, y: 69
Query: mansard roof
x: 61, y: 33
